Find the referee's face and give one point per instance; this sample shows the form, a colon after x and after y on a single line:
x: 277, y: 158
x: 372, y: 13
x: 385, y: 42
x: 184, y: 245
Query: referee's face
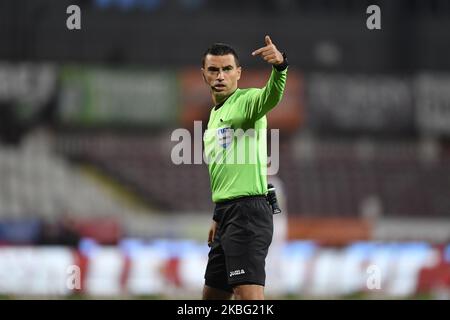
x: 221, y: 74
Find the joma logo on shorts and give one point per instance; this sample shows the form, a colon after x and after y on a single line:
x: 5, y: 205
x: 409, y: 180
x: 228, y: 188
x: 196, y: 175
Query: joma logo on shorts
x: 236, y: 272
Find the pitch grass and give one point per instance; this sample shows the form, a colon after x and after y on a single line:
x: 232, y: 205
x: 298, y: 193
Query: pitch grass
x: 356, y: 296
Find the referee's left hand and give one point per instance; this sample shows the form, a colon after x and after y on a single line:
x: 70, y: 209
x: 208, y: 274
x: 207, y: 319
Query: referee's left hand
x: 269, y: 53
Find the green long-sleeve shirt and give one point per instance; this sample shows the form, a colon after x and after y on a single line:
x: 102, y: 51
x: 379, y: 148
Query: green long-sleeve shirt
x: 236, y: 140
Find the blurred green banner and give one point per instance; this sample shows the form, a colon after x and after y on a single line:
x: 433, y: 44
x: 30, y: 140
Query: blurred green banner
x: 97, y: 96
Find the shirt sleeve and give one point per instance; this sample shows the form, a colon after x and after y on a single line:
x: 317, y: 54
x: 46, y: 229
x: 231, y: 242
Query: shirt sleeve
x: 261, y: 101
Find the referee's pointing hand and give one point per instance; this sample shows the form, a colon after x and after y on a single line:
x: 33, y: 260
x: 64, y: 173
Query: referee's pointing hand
x: 269, y: 53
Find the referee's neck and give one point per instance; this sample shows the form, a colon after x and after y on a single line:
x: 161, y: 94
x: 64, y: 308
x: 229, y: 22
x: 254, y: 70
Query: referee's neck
x: 219, y: 101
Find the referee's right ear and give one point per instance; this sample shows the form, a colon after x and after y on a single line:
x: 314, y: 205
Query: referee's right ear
x: 203, y: 75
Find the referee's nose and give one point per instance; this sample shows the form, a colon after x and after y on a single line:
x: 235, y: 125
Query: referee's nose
x: 220, y: 75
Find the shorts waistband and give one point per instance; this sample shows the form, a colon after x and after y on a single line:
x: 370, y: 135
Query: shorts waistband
x: 244, y: 198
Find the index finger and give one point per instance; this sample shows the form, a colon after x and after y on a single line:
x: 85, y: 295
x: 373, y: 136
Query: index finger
x: 260, y: 50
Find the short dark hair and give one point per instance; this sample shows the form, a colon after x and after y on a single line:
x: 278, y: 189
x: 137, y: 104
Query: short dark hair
x: 220, y: 49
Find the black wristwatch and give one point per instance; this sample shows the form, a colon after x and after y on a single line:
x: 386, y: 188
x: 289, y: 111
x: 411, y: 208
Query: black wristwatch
x: 282, y: 66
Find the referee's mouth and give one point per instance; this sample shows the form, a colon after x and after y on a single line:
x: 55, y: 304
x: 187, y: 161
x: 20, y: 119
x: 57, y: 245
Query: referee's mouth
x: 219, y: 87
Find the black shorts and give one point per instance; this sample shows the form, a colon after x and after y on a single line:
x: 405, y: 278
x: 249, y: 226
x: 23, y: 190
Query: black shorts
x: 241, y: 243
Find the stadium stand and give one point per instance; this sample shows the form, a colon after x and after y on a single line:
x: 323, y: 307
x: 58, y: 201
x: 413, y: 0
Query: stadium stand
x: 333, y: 178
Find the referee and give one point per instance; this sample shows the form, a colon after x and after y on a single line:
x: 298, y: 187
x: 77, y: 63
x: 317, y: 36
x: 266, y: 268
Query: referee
x: 242, y: 226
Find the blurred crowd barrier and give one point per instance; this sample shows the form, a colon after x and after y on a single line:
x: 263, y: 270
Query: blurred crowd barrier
x: 171, y: 269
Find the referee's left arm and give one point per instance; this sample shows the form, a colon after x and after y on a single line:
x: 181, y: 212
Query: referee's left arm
x: 263, y: 100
